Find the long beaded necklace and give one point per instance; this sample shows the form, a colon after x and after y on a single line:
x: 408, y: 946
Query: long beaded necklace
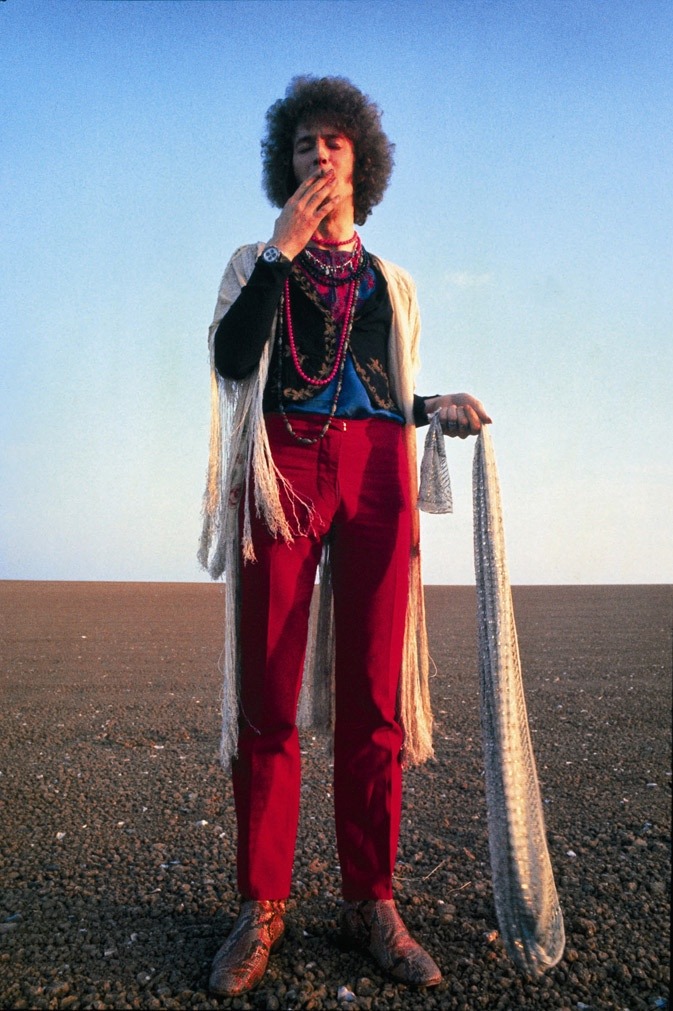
x: 338, y: 370
x: 345, y: 332
x: 349, y: 273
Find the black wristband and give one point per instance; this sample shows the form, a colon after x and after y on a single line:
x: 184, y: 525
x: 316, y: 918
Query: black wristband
x: 420, y: 410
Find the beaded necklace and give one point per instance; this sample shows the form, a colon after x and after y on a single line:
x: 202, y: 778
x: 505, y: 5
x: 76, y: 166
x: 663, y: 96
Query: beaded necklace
x: 319, y: 241
x: 345, y: 333
x: 337, y: 370
x: 330, y: 273
x: 333, y: 275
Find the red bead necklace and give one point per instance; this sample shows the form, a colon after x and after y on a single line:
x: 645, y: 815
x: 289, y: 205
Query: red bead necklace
x: 338, y: 369
x: 352, y: 288
x: 325, y: 275
x: 319, y: 241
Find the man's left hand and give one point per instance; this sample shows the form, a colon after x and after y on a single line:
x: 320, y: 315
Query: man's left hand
x: 460, y: 414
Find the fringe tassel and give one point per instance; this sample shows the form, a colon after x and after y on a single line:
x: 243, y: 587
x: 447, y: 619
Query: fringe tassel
x: 414, y: 693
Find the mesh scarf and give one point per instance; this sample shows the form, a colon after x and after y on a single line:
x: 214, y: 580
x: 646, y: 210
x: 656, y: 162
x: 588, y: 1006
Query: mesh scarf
x: 529, y: 915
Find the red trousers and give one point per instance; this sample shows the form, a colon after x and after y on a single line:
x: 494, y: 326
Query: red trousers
x: 356, y: 477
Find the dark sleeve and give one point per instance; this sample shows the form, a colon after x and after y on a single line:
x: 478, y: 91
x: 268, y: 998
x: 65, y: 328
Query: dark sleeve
x: 420, y: 414
x: 244, y: 329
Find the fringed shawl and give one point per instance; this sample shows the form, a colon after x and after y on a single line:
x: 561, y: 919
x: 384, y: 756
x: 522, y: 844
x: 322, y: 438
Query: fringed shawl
x: 240, y: 460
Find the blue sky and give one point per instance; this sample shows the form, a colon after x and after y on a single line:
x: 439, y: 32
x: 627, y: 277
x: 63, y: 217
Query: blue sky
x: 531, y: 201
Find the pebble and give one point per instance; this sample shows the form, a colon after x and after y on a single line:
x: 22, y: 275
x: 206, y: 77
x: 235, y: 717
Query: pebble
x: 365, y: 987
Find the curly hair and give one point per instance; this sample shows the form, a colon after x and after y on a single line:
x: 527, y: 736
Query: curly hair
x: 335, y: 102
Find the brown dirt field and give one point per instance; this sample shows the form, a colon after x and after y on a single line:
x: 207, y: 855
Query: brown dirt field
x: 116, y: 861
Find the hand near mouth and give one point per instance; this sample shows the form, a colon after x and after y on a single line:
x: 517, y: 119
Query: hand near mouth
x: 312, y: 201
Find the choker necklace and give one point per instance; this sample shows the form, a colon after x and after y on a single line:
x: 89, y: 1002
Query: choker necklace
x: 332, y: 242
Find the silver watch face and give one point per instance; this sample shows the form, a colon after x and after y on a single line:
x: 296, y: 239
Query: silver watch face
x: 271, y: 254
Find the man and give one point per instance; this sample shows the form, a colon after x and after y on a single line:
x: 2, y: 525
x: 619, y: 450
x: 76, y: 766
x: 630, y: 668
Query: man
x: 315, y: 346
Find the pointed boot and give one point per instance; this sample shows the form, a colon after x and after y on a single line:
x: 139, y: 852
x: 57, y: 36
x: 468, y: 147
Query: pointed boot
x: 376, y: 927
x: 242, y: 960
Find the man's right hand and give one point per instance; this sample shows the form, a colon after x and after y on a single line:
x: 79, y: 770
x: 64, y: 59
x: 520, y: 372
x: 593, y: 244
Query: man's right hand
x: 309, y: 204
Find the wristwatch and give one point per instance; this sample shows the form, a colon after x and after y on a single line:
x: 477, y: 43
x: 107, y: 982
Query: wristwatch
x: 272, y: 254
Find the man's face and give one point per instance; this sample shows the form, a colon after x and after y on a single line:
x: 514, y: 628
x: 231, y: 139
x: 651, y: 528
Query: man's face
x: 321, y: 148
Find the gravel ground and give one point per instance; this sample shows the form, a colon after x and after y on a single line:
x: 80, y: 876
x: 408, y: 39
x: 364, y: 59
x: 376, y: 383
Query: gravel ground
x: 117, y: 850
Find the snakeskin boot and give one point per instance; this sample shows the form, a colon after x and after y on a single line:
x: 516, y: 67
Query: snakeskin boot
x: 242, y: 960
x: 375, y: 926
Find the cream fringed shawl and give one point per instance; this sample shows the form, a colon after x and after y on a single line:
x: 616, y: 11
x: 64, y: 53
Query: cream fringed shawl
x: 240, y: 457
